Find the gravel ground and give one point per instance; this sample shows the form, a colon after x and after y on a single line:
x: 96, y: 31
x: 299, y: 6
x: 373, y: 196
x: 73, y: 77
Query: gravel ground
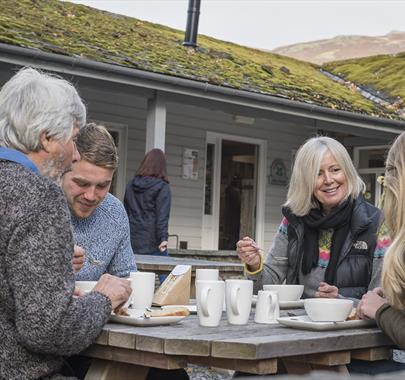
x: 204, y: 373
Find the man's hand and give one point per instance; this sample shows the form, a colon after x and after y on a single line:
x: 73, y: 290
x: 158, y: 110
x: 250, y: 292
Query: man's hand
x: 78, y: 258
x: 327, y: 291
x: 116, y: 289
x: 369, y: 304
x: 163, y: 246
x: 249, y: 253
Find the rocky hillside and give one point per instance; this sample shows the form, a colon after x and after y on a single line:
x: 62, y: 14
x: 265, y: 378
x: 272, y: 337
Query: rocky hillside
x: 344, y: 47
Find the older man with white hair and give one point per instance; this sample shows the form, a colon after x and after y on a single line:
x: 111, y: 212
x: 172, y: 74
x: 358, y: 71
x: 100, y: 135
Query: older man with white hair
x: 42, y: 318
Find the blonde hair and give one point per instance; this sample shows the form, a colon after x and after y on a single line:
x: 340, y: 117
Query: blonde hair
x: 393, y: 272
x: 300, y: 196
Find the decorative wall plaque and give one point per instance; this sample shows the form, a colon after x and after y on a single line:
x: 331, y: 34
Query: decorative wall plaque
x: 278, y: 172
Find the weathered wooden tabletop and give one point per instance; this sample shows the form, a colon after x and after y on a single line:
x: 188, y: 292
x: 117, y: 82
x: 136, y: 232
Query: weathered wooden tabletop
x: 252, y: 348
x: 167, y: 263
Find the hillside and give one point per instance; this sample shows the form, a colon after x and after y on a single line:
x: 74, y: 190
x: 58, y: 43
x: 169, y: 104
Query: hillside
x: 80, y: 31
x: 384, y: 75
x: 344, y: 47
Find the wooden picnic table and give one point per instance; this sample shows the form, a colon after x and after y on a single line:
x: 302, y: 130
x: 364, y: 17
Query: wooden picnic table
x: 124, y: 351
x: 165, y: 264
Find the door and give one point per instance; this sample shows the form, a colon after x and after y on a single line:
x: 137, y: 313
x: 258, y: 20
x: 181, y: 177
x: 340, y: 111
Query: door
x: 234, y: 188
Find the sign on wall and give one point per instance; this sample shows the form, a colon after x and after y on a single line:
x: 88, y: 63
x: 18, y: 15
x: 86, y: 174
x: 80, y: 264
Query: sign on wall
x: 190, y: 164
x: 278, y: 173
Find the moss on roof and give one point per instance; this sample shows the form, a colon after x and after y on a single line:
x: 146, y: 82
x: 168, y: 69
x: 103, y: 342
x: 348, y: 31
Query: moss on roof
x: 383, y: 73
x: 78, y: 30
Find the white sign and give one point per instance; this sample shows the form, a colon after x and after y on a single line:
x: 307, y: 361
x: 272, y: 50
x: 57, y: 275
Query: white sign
x: 190, y: 164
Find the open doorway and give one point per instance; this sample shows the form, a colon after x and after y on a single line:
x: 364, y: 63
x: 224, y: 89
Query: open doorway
x: 234, y: 191
x: 237, y: 193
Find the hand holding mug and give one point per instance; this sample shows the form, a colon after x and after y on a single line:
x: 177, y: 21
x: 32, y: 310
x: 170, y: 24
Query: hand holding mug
x: 116, y: 289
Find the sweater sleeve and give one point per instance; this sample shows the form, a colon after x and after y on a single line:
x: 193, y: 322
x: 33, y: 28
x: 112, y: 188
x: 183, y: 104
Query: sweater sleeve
x: 123, y: 261
x: 48, y: 318
x: 392, y: 322
x: 163, y: 201
x: 276, y: 265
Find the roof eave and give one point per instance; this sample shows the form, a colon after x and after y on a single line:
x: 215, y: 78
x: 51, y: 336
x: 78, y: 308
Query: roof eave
x: 146, y: 79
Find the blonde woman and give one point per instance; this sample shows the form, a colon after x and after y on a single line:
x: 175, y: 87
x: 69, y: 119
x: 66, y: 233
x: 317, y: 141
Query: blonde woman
x: 387, y: 306
x: 330, y: 239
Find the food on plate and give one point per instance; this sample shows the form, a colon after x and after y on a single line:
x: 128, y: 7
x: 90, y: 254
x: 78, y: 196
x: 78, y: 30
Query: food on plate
x: 175, y: 311
x: 353, y: 315
x: 123, y: 311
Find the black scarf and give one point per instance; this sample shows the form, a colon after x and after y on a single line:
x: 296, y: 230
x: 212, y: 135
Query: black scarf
x: 339, y: 219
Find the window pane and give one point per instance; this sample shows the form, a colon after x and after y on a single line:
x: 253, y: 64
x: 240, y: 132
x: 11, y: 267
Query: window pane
x: 372, y: 158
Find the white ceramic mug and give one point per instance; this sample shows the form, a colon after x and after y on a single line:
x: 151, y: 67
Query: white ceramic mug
x: 206, y: 274
x: 143, y: 289
x: 210, y: 300
x: 238, y: 294
x: 267, y: 307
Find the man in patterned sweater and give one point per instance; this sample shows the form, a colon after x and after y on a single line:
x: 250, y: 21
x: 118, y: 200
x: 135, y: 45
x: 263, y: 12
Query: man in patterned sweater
x: 42, y: 318
x: 99, y: 220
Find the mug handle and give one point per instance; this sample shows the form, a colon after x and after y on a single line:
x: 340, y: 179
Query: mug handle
x: 234, y: 300
x: 204, y: 301
x: 272, y: 306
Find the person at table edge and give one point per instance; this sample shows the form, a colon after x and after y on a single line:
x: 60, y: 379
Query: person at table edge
x: 41, y: 319
x: 100, y: 223
x: 330, y: 239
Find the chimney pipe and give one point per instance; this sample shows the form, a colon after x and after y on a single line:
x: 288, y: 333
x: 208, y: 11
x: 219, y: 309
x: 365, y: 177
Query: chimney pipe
x: 193, y: 14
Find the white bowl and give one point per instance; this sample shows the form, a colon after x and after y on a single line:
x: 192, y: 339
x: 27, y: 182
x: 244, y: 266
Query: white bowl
x: 86, y: 286
x: 286, y: 292
x: 328, y: 309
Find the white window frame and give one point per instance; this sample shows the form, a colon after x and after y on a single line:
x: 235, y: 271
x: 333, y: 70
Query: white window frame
x: 120, y: 173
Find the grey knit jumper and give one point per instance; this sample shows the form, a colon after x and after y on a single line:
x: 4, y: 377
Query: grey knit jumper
x: 40, y: 320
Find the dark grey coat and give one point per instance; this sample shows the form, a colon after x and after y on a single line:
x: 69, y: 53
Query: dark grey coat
x: 40, y: 320
x: 147, y: 201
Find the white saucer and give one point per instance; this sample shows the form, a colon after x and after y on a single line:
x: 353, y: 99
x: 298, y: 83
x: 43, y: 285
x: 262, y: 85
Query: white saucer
x: 305, y: 323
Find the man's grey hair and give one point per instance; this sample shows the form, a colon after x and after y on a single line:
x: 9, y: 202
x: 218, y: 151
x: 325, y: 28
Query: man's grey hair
x: 300, y: 196
x: 33, y: 103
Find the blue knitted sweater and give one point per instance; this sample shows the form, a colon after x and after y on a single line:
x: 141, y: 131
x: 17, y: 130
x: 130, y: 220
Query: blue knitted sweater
x: 105, y: 237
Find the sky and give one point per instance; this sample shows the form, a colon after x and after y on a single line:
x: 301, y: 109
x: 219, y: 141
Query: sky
x: 267, y: 24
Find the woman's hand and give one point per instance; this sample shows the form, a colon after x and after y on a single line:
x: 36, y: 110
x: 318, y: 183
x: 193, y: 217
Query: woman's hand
x: 163, y: 246
x: 327, y: 291
x: 369, y: 304
x: 78, y: 258
x: 249, y: 253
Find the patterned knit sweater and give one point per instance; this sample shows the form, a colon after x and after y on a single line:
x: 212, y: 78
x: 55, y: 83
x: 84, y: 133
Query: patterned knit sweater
x: 105, y: 237
x: 40, y: 320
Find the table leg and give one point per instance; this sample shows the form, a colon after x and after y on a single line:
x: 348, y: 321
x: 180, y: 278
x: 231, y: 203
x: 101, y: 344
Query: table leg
x: 107, y: 370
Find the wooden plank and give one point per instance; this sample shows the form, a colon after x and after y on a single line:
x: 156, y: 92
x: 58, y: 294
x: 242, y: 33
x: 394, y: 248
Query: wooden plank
x: 372, y: 354
x: 258, y: 367
x: 294, y: 367
x: 283, y: 342
x: 121, y: 339
x: 325, y: 359
x: 131, y: 356
x: 102, y: 339
x: 106, y: 370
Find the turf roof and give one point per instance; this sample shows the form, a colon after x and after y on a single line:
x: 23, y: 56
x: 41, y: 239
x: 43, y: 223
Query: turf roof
x: 77, y: 30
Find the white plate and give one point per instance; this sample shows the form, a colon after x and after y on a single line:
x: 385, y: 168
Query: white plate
x: 191, y: 308
x: 137, y: 320
x: 303, y: 322
x: 284, y: 304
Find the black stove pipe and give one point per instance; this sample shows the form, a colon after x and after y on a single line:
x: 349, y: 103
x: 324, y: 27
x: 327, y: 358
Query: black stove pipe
x: 193, y: 15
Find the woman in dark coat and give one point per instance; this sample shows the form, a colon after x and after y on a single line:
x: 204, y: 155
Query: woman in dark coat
x: 147, y: 202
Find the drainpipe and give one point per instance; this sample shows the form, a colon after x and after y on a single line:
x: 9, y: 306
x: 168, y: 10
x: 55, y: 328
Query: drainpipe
x: 190, y: 38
